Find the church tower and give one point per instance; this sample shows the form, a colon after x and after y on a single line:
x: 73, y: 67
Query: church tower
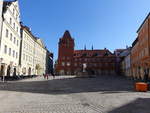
x: 65, y: 54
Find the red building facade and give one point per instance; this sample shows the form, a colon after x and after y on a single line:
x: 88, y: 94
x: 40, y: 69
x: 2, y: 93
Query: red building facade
x: 70, y: 61
x: 140, y: 53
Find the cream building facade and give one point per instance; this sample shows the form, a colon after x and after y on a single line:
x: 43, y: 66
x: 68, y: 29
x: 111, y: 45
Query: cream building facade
x: 40, y: 57
x: 126, y: 62
x: 27, y: 51
x: 1, y: 7
x: 10, y: 38
x: 32, y: 53
x: 21, y: 53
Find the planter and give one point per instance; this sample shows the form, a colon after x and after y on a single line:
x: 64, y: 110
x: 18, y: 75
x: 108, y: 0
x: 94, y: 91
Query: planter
x: 141, y: 86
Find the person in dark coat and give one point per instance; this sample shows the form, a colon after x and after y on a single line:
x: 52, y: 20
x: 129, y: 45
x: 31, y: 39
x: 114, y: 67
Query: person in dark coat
x: 146, y: 74
x: 52, y: 73
x: 8, y: 71
x: 14, y: 73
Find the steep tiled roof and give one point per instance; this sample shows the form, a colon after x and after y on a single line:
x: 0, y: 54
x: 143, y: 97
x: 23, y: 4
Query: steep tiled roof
x: 92, y: 53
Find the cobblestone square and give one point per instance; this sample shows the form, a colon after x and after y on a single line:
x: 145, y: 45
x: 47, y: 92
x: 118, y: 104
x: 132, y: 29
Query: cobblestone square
x: 104, y: 94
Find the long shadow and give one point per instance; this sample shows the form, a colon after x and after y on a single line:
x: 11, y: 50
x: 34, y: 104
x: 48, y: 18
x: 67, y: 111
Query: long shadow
x: 102, y: 84
x: 140, y: 105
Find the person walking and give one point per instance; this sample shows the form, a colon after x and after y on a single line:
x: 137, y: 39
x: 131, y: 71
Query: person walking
x: 44, y: 76
x: 52, y: 73
x: 47, y: 76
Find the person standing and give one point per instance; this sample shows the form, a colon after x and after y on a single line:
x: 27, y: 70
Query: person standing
x: 14, y: 73
x: 146, y: 74
x: 2, y: 72
x: 44, y: 76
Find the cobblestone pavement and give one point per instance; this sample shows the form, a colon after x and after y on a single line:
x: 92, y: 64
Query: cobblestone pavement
x: 104, y: 94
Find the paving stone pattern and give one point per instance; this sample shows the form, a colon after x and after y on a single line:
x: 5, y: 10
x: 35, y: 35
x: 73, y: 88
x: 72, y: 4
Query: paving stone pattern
x: 67, y: 94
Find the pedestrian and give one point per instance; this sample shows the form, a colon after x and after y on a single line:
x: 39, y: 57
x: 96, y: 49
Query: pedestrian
x: 47, y: 76
x: 52, y: 73
x: 14, y: 73
x: 44, y: 75
x: 146, y: 74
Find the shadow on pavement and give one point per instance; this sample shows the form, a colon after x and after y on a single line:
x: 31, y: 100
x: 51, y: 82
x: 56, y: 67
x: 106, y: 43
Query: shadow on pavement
x: 102, y: 84
x: 140, y: 105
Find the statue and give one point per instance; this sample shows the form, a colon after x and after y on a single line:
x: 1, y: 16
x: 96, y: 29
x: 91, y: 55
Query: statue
x: 84, y: 67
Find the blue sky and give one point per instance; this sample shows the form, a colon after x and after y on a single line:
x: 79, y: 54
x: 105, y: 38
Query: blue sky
x: 108, y: 24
